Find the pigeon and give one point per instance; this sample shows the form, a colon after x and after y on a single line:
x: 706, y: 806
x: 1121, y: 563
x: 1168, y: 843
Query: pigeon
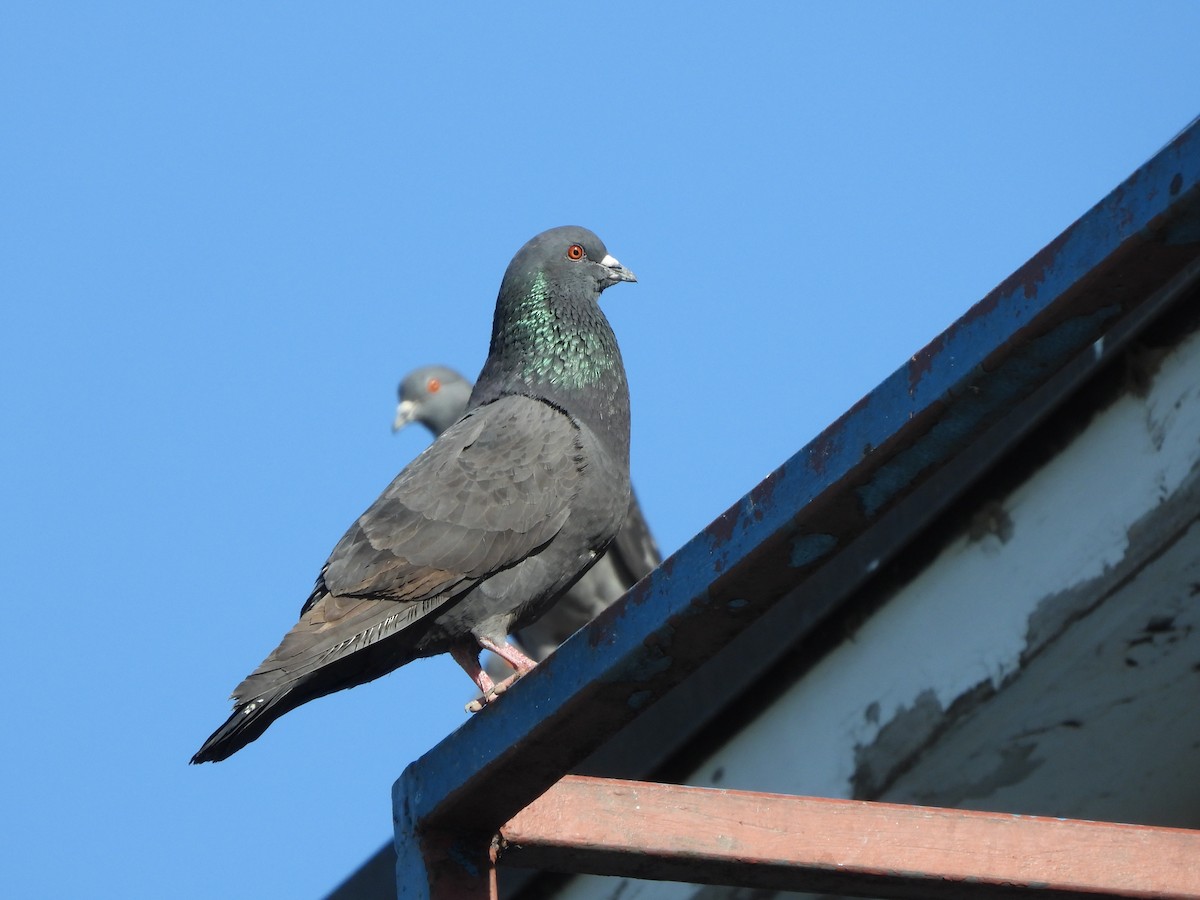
x: 436, y: 396
x: 482, y: 531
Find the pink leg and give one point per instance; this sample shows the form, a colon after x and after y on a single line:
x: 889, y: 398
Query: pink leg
x: 514, y: 658
x: 509, y: 654
x: 468, y: 657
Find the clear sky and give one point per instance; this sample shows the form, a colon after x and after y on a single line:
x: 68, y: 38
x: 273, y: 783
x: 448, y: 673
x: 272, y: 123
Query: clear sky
x: 227, y: 229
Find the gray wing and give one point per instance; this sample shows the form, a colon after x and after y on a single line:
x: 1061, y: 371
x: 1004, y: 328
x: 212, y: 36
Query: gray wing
x: 491, y: 491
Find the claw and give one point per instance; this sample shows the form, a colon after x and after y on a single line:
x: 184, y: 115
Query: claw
x: 490, y: 697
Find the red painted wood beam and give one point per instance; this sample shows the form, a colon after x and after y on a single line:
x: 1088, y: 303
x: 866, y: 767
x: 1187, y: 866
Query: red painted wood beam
x: 845, y: 847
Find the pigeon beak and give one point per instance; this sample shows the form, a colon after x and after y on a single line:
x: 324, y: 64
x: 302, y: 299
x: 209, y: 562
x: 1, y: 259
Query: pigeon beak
x: 616, y: 271
x: 406, y: 411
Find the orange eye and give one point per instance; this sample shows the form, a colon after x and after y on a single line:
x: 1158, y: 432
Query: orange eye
x: 433, y: 385
x: 575, y: 252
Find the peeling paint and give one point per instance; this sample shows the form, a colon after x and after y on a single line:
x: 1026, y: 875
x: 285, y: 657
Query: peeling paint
x: 638, y: 699
x: 808, y: 548
x: 1014, y: 764
x: 908, y: 730
x: 900, y: 742
x: 648, y: 668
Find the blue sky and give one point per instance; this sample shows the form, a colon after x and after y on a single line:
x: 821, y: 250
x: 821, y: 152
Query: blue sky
x: 227, y: 230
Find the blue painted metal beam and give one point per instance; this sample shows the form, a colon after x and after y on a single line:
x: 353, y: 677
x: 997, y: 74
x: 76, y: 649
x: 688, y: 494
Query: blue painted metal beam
x: 1059, y: 312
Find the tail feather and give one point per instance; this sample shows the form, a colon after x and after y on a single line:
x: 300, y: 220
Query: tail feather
x: 339, y: 643
x: 248, y: 721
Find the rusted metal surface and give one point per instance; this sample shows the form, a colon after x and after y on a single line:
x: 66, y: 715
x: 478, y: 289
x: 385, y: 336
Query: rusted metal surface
x: 706, y: 836
x: 459, y: 866
x: 454, y: 864
x: 820, y: 512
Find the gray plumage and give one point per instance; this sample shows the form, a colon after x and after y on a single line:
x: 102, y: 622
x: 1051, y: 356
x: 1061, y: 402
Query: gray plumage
x: 436, y: 396
x: 485, y: 528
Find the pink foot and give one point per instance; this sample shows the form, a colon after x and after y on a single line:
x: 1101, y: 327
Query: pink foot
x: 490, y: 696
x: 510, y: 655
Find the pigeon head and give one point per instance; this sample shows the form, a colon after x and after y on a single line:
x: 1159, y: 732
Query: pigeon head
x: 549, y: 336
x: 550, y: 339
x: 435, y: 396
x: 571, y: 258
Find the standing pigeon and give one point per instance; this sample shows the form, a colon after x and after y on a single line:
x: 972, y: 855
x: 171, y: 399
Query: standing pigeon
x: 480, y: 533
x: 436, y: 396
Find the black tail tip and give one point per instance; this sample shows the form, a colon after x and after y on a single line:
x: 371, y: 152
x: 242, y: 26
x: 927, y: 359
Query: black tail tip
x: 248, y: 721
x: 214, y: 750
x: 200, y: 756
